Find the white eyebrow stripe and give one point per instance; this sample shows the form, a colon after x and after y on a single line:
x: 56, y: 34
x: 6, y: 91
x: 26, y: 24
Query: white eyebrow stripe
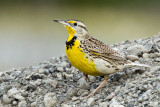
x: 83, y: 27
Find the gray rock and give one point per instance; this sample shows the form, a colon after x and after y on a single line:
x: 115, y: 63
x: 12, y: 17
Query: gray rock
x: 34, y: 104
x: 1, y: 74
x: 65, y: 64
x: 14, y: 102
x: 51, y: 70
x: 18, y: 97
x: 81, y: 91
x: 68, y: 76
x: 158, y: 88
x: 36, y: 76
x: 110, y: 96
x: 42, y: 71
x: 38, y: 82
x: 135, y: 95
x: 140, y: 99
x: 148, y: 47
x: 154, y: 55
x: 136, y: 49
x: 132, y: 57
x: 71, y: 92
x: 50, y: 100
x: 16, y: 73
x: 83, y: 84
x: 74, y: 98
x: 91, y: 101
x: 59, y: 76
x: 28, y: 77
x: 66, y: 105
x: 145, y: 97
x: 12, y: 92
x: 103, y: 104
x: 145, y: 55
x: 6, y: 99
x: 60, y: 69
x: 51, y: 82
x: 91, y: 78
x: 114, y: 103
x: 154, y: 104
x: 22, y: 104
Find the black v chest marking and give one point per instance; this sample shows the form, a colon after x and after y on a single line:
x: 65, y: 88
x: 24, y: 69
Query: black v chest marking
x: 70, y: 43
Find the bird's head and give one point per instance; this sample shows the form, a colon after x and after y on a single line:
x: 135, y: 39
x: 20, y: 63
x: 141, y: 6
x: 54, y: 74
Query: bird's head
x: 74, y: 27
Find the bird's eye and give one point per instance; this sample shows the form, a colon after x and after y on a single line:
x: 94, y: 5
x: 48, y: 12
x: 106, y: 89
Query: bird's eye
x: 75, y: 24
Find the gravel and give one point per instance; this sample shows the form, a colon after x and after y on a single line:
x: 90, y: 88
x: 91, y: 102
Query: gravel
x: 55, y: 82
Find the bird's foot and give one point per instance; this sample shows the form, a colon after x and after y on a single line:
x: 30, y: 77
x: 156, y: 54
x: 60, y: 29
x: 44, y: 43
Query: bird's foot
x: 86, y: 77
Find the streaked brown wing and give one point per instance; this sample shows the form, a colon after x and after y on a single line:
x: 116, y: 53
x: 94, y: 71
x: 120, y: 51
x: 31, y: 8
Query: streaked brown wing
x: 98, y: 48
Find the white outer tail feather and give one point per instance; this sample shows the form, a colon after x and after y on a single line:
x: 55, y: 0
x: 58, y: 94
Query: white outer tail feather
x: 135, y: 64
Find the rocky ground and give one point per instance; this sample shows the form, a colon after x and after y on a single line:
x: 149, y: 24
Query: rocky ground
x: 56, y: 82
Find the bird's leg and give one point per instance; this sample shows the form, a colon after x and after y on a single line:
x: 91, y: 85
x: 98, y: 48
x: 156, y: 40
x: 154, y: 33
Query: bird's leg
x: 104, y: 81
x: 86, y: 77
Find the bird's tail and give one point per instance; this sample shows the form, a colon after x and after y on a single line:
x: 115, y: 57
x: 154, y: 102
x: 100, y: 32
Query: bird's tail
x: 136, y: 65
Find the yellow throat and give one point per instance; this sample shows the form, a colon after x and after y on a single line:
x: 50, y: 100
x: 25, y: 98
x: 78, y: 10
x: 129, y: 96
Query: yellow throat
x: 71, y: 32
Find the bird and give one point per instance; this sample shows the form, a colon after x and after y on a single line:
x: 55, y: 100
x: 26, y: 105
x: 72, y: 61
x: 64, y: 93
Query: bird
x: 91, y: 56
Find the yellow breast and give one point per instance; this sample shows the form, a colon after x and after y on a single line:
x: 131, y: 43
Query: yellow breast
x: 77, y: 59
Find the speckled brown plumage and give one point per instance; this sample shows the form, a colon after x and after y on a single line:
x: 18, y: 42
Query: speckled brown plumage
x: 100, y: 50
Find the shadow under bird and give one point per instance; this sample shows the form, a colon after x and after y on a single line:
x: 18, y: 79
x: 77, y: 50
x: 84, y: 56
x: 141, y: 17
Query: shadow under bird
x: 90, y: 55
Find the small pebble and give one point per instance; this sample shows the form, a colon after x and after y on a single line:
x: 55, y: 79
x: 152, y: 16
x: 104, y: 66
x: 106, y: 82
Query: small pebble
x: 110, y: 96
x: 6, y: 99
x: 135, y: 95
x: 50, y: 100
x: 66, y: 105
x: 59, y: 76
x: 71, y: 92
x: 14, y: 103
x: 91, y: 101
x: 154, y: 104
x: 41, y: 71
x: 136, y: 49
x: 22, y: 104
x: 83, y: 84
x: 74, y: 98
x: 155, y: 55
x: 103, y: 104
x: 140, y: 99
x: 60, y: 69
x: 145, y: 55
x: 51, y: 82
x: 36, y: 76
x: 12, y: 92
x: 51, y: 70
x: 68, y: 76
x: 38, y: 82
x: 158, y: 88
x: 132, y: 57
x: 34, y: 104
x: 28, y: 77
x: 18, y: 97
x: 1, y: 74
x: 114, y: 103
x: 84, y: 94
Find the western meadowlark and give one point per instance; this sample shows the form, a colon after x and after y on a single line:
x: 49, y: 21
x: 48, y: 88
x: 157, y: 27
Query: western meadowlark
x: 90, y: 55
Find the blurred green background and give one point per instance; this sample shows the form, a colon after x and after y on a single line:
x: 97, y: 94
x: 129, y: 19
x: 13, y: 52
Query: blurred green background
x: 28, y: 35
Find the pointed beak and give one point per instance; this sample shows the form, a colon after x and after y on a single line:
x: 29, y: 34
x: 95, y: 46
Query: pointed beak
x: 62, y: 22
